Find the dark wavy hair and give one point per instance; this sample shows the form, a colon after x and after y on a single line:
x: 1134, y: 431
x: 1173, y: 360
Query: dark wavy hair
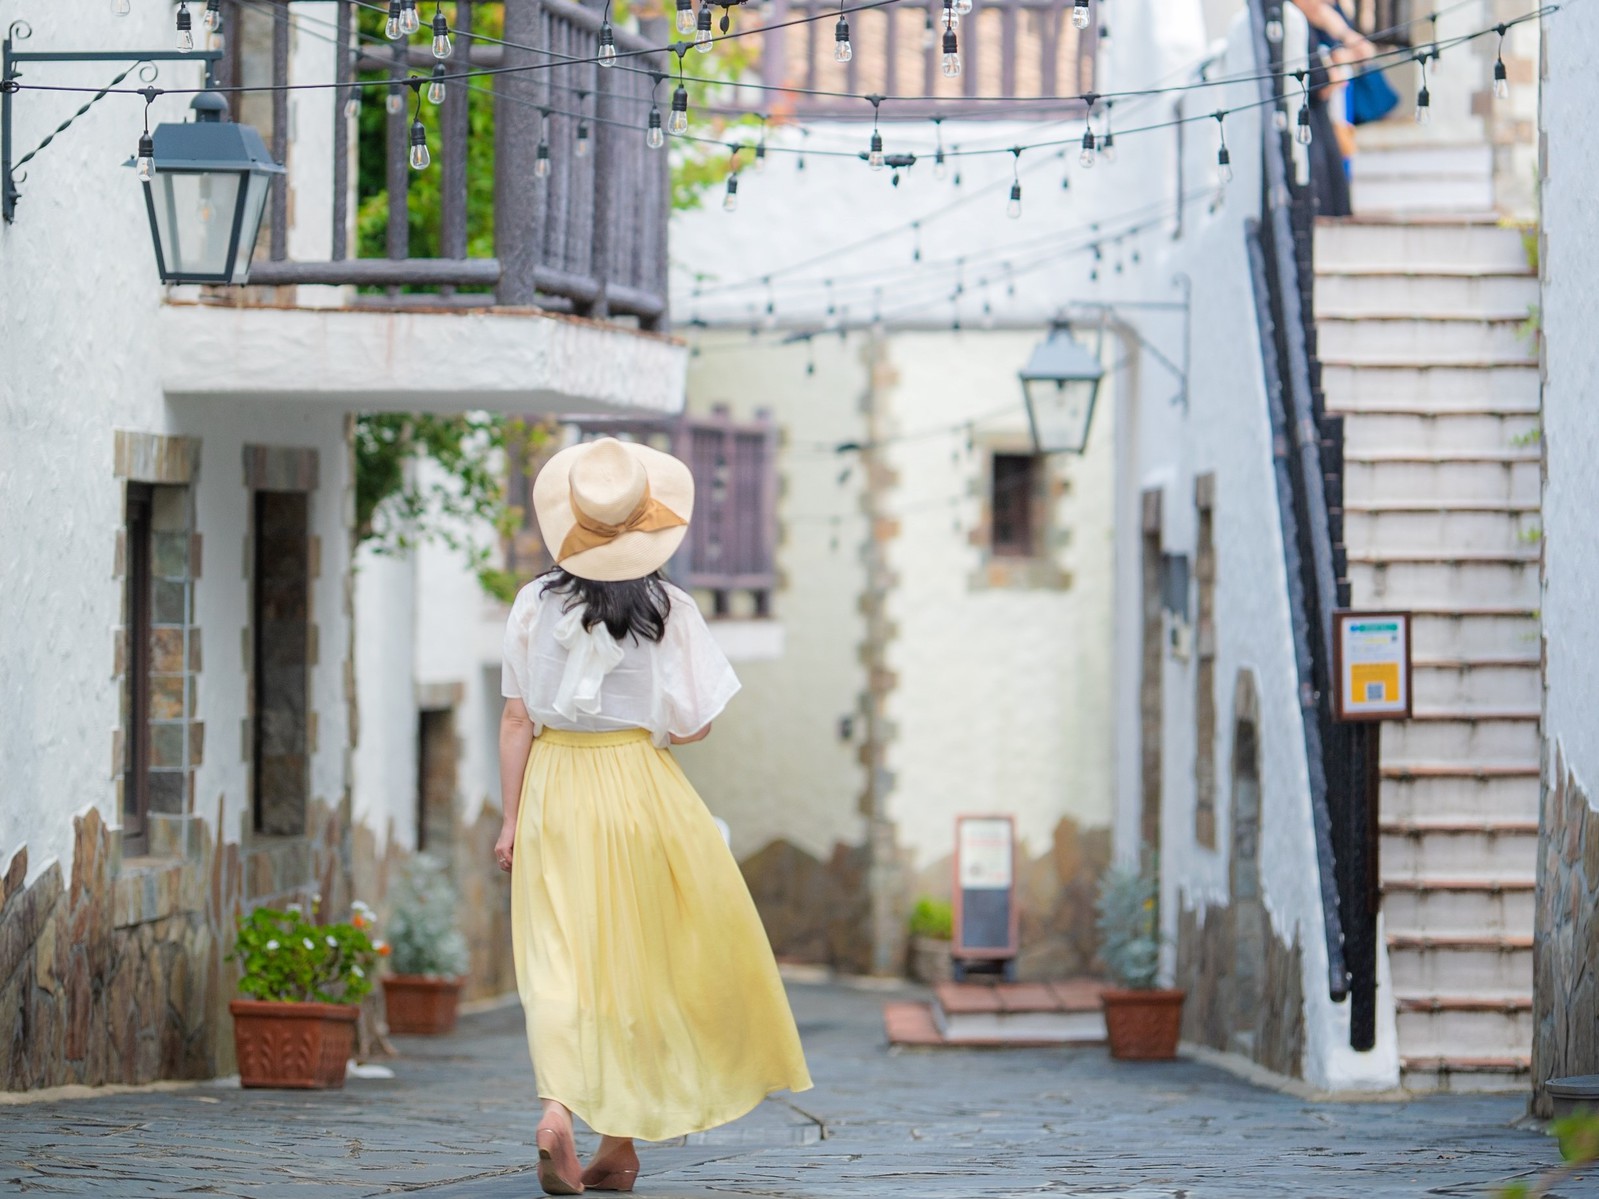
x: 635, y: 608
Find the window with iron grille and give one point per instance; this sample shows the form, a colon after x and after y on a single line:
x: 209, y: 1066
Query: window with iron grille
x: 1013, y: 502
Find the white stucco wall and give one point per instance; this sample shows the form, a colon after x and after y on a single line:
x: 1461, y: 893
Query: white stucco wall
x: 1570, y: 421
x: 385, y: 758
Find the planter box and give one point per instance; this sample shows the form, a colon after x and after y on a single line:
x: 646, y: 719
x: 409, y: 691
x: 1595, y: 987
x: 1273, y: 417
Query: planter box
x: 421, y: 1004
x: 930, y: 961
x: 304, y: 1046
x: 1143, y: 1026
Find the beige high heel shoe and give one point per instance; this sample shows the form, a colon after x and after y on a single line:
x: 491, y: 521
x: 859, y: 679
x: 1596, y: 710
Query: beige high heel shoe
x: 615, y: 1171
x: 558, y: 1164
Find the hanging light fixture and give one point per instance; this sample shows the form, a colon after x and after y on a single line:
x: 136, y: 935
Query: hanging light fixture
x: 1059, y: 385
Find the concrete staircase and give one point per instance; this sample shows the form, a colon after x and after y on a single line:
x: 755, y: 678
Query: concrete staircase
x: 1420, y: 335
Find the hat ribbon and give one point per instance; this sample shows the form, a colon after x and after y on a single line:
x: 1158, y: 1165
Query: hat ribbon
x: 651, y: 516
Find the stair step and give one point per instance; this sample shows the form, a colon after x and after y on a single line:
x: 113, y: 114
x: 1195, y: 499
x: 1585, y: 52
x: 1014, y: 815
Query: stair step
x: 1391, y: 293
x: 1477, y: 687
x: 1482, y: 964
x: 1465, y: 737
x: 1425, y: 340
x: 1515, y: 482
x: 1460, y: 1075
x: 1437, y: 909
x: 1500, y: 579
x: 1420, y: 194
x: 1378, y: 531
x: 1474, y: 633
x: 1430, y: 157
x: 1439, y: 1027
x: 1462, y: 793
x: 1420, y: 244
x: 1406, y: 388
x: 1371, y: 430
x: 1458, y: 853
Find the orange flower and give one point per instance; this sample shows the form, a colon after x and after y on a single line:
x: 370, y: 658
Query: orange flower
x: 357, y: 920
x: 383, y: 949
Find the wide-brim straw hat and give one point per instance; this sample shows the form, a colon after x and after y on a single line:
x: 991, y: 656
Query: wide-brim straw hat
x: 613, y: 510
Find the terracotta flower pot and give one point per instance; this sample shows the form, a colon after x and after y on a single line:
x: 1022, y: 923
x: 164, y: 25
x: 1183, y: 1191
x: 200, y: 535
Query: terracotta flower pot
x: 298, y: 1045
x: 1143, y: 1026
x: 420, y: 1003
x: 930, y: 960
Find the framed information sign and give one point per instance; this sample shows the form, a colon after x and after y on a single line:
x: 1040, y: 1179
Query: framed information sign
x: 1371, y: 665
x: 985, y: 889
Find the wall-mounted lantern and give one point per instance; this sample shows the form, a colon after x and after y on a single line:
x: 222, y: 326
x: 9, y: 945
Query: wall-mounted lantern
x: 1060, y: 383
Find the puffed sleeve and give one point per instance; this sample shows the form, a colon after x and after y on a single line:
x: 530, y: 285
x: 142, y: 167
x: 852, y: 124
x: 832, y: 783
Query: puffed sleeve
x: 697, y: 678
x: 515, y: 665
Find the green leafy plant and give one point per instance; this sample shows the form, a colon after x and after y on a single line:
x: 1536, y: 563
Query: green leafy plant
x: 1130, y: 940
x: 932, y: 918
x: 422, y: 927
x: 1578, y: 1136
x: 289, y: 959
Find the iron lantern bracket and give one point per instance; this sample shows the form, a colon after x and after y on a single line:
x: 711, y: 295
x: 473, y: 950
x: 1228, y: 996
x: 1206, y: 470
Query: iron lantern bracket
x: 21, y: 31
x: 1108, y: 313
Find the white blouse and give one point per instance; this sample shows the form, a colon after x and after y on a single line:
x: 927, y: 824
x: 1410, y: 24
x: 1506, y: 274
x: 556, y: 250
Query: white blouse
x: 588, y: 682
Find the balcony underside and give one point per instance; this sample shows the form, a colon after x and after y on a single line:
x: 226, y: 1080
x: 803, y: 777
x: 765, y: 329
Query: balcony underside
x: 506, y: 360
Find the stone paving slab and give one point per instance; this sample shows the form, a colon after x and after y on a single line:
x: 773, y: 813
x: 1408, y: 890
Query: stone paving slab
x: 458, y: 1118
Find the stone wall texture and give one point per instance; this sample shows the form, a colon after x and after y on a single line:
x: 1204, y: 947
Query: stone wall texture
x: 1565, y: 951
x: 1245, y: 987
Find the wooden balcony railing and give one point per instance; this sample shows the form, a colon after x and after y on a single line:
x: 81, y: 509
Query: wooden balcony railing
x: 588, y: 238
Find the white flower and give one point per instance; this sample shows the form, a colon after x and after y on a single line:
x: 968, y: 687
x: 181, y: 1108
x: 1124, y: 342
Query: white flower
x: 271, y: 946
x: 295, y: 908
x: 309, y: 944
x: 333, y: 942
x: 358, y: 972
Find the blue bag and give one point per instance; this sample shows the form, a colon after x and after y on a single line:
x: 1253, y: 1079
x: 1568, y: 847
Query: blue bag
x: 1371, y: 97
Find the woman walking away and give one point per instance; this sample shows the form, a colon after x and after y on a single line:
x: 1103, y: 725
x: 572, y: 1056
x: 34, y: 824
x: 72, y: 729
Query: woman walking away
x: 654, y: 1007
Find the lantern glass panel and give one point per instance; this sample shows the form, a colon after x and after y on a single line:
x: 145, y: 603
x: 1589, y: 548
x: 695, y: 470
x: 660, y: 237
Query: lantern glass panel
x: 195, y: 217
x: 1061, y: 411
x: 254, y: 200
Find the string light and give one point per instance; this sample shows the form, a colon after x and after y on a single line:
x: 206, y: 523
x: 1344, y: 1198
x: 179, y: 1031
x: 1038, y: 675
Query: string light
x: 963, y: 7
x: 874, y: 153
x: 185, y: 28
x: 121, y: 8
x: 685, y: 16
x: 582, y: 147
x: 144, y: 161
x: 541, y: 156
x: 441, y: 34
x: 951, y: 60
x: 1423, y: 97
x: 213, y: 15
x: 1107, y: 143
x: 1224, y: 158
x: 702, y: 28
x: 679, y: 120
x: 730, y: 200
x: 951, y: 18
x: 916, y: 241
x: 410, y: 19
x: 419, y: 134
x: 842, y: 50
x: 939, y: 167
x: 352, y: 105
x: 1080, y: 14
x: 1274, y: 24
x: 655, y: 136
x: 391, y: 27
x: 436, y: 85
x: 1014, y: 208
x: 1303, y: 134
x: 1086, y: 158
x: 607, y: 51
x: 1501, y: 76
x: 395, y: 103
x: 760, y: 148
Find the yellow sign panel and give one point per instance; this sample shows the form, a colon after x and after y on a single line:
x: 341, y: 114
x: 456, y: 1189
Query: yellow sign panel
x: 1373, y: 665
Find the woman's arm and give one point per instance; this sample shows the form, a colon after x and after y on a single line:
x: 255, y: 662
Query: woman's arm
x: 1330, y: 19
x: 516, y: 742
x: 691, y: 739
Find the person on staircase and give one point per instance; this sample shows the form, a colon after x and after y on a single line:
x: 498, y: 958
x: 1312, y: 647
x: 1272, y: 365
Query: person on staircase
x: 1335, y: 44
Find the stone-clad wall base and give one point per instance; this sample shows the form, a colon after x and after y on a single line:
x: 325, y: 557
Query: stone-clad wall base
x: 1245, y: 990
x: 1565, y: 951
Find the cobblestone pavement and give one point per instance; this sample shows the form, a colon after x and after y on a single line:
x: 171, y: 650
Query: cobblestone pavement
x: 457, y: 1119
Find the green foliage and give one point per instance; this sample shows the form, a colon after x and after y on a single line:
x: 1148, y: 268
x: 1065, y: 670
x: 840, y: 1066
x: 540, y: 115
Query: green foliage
x: 1531, y: 329
x: 422, y: 928
x: 932, y: 918
x: 288, y: 959
x: 1130, y: 941
x: 1531, y: 437
x: 1578, y: 1137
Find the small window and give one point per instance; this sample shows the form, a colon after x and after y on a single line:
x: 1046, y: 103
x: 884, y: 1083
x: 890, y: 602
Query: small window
x: 136, y: 766
x: 1012, y: 504
x: 281, y: 619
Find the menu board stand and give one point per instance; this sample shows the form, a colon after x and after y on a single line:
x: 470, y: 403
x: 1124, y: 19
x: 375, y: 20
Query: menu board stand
x: 985, y: 940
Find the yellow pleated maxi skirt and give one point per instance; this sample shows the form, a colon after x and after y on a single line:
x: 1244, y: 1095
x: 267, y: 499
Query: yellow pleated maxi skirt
x: 654, y: 1007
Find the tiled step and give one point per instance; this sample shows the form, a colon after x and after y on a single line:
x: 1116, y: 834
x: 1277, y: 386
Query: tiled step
x: 1447, y: 576
x: 1477, y: 739
x: 1427, y: 964
x: 1424, y: 340
x: 1474, y: 632
x: 1455, y: 791
x: 1477, y: 686
x: 1458, y: 907
x: 1435, y: 433
x: 1466, y: 1075
x: 1458, y: 850
x: 1390, y: 291
x: 1442, y: 1025
x: 1401, y: 529
x: 1512, y: 479
x: 1421, y: 195
x: 1494, y: 391
x: 1419, y: 245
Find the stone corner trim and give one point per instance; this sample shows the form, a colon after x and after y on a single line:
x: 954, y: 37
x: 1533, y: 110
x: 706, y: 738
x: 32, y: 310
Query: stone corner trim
x: 280, y: 468
x: 155, y: 458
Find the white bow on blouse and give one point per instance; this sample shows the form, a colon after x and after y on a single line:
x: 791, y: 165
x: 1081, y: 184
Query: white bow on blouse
x: 590, y: 656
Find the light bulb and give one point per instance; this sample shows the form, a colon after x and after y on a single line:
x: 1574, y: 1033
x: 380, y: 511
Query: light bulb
x: 1080, y: 14
x: 185, y: 29
x: 702, y: 28
x: 419, y: 146
x: 607, y: 55
x: 145, y: 162
x: 1303, y: 134
x: 582, y: 147
x: 685, y: 16
x: 929, y: 34
x: 121, y: 8
x: 1107, y: 147
x: 1274, y: 30
x: 410, y: 19
x: 213, y: 15
x: 206, y: 212
x: 395, y: 100
x: 760, y: 156
x: 436, y: 85
x: 391, y: 26
x: 951, y: 61
x: 678, y: 121
x: 940, y: 169
x: 1424, y: 106
x: 963, y: 7
x: 352, y: 106
x: 842, y: 50
x: 1279, y: 119
x: 1224, y: 165
x: 730, y: 200
x: 951, y: 17
x: 1014, y: 208
x: 655, y: 136
x: 1086, y: 158
x: 1501, y: 80
x: 441, y: 36
x: 541, y: 160
x: 874, y: 157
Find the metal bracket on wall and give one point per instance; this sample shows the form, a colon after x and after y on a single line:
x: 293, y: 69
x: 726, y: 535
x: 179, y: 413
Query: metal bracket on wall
x: 141, y: 60
x: 1110, y: 312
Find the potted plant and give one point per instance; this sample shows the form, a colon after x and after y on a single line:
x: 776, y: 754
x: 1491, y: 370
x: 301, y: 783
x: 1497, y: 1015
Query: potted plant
x: 429, y: 953
x: 303, y: 984
x: 932, y: 926
x: 1143, y: 1022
